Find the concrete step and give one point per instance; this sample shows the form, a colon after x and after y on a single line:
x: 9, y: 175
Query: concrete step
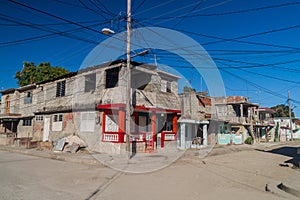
x: 288, y: 188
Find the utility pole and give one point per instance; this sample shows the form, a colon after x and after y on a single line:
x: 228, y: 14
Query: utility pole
x: 128, y: 88
x: 290, y: 115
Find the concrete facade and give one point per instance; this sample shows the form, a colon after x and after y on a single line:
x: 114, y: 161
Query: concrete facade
x: 284, y: 130
x: 194, y: 122
x: 68, y: 105
x: 239, y: 116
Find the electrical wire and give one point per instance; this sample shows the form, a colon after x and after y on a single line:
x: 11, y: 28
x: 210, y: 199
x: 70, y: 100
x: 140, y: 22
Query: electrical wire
x: 51, y: 35
x: 58, y: 24
x: 107, y: 10
x: 194, y: 8
x: 78, y: 6
x: 139, y: 6
x: 184, y: 7
x: 231, y: 12
x: 263, y: 75
x: 94, y: 11
x: 28, y: 24
x: 221, y: 40
x: 259, y: 87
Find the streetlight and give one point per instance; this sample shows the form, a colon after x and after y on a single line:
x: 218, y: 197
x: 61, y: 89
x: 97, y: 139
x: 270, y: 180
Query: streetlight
x: 107, y: 31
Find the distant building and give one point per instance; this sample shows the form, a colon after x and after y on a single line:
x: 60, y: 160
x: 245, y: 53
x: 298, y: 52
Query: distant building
x: 285, y: 129
x: 239, y: 116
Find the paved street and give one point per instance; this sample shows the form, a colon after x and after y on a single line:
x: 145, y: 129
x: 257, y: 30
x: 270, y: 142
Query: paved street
x: 27, y: 177
x: 233, y: 175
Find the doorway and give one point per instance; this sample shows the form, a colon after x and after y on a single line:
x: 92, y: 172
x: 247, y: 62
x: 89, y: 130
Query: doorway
x: 46, y: 129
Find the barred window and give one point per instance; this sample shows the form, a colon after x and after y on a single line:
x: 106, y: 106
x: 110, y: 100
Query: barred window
x: 61, y: 89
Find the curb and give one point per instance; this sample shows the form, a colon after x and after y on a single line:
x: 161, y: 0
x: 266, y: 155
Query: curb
x: 289, y: 190
x: 282, y: 191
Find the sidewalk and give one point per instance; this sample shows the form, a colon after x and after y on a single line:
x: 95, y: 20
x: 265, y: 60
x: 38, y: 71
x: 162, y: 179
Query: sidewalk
x: 138, y: 163
x: 156, y: 160
x: 80, y: 157
x: 90, y: 158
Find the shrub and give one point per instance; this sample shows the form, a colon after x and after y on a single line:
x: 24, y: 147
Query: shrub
x: 249, y: 140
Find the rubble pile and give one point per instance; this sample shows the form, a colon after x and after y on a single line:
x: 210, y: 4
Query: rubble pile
x: 70, y: 144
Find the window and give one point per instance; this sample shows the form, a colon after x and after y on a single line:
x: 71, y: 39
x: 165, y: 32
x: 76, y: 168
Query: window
x: 111, y: 123
x: 90, y: 82
x: 112, y: 77
x: 169, y: 87
x: 57, y: 124
x: 39, y: 118
x: 61, y: 89
x: 26, y: 122
x: 7, y: 104
x: 58, y: 118
x: 168, y: 124
x: 144, y: 123
x: 28, y: 98
x: 87, y: 121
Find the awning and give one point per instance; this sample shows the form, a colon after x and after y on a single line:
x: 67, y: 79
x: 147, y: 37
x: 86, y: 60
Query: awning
x: 10, y: 116
x: 136, y: 108
x: 191, y: 121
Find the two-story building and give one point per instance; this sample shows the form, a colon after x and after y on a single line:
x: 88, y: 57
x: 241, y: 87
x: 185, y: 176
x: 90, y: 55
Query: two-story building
x: 91, y: 104
x: 239, y: 116
x: 196, y: 110
x: 264, y: 127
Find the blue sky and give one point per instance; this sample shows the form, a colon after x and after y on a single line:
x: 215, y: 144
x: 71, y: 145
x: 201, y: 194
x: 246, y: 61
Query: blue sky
x: 258, y: 58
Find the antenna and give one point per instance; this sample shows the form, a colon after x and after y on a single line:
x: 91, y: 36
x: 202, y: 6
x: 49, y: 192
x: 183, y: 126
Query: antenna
x: 154, y: 55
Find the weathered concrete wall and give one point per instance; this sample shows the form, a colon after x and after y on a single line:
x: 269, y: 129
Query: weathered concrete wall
x: 70, y: 125
x: 38, y: 127
x: 14, y: 99
x: 61, y: 129
x: 93, y: 137
x: 190, y: 108
x: 24, y: 131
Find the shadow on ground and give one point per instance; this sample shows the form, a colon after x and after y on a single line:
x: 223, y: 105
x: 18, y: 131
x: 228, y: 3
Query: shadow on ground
x: 292, y: 152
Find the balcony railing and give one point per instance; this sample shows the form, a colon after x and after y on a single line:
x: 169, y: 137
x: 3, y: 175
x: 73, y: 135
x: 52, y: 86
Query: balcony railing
x: 169, y: 136
x: 111, y: 137
x: 120, y: 137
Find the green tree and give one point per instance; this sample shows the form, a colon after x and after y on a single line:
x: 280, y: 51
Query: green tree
x: 282, y: 111
x: 42, y: 72
x: 188, y: 89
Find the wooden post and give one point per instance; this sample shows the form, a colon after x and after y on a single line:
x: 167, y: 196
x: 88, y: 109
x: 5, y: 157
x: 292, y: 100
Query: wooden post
x: 121, y: 124
x: 121, y: 121
x: 153, y: 128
